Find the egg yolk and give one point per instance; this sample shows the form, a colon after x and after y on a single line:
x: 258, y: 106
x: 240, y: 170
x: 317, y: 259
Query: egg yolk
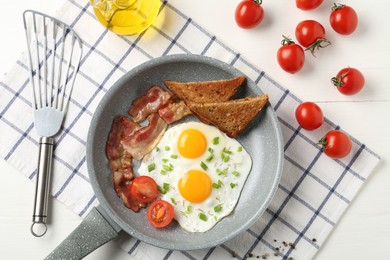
x: 195, y: 186
x: 192, y: 143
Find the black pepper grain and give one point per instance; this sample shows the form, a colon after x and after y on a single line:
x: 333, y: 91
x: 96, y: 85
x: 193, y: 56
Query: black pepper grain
x: 314, y: 240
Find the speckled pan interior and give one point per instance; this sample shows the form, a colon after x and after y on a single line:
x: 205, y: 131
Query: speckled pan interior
x: 262, y: 139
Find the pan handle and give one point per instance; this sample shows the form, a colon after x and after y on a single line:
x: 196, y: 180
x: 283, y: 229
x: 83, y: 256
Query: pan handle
x: 95, y: 230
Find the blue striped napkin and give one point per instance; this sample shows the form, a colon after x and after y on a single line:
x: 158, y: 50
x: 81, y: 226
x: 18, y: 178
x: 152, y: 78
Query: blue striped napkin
x: 314, y: 191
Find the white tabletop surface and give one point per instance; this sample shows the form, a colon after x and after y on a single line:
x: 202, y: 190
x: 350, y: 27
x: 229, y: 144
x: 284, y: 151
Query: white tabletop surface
x: 364, y: 230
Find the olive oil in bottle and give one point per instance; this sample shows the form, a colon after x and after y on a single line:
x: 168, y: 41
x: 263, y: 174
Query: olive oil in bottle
x: 126, y: 17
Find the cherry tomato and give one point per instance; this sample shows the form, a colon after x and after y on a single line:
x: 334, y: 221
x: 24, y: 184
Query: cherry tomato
x: 343, y: 19
x: 311, y: 34
x: 349, y: 81
x: 144, y: 189
x: 291, y: 56
x: 309, y: 115
x: 249, y: 13
x: 336, y: 144
x: 160, y: 213
x: 308, y: 4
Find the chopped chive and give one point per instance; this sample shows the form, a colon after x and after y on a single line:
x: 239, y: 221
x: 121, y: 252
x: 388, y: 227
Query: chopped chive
x: 218, y: 208
x: 165, y: 160
x: 232, y: 185
x: 209, y: 158
x: 174, y: 156
x: 189, y: 209
x: 217, y: 185
x: 203, y: 165
x: 202, y: 216
x: 163, y: 172
x: 167, y: 148
x: 235, y: 173
x: 164, y: 189
x: 222, y: 172
x: 226, y: 158
x: 151, y: 167
x: 211, y: 150
x: 173, y: 201
x: 227, y: 151
x: 168, y: 167
x: 157, y: 149
x: 215, y: 218
x: 216, y: 140
x: 239, y: 149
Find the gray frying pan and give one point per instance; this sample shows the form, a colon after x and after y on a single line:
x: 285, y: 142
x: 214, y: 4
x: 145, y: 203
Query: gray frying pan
x: 262, y: 139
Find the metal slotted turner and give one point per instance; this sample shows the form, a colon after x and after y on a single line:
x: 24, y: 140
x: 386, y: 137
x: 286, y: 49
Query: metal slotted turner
x: 54, y: 51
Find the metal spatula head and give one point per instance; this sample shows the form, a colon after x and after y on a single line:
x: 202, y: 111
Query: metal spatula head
x: 54, y: 51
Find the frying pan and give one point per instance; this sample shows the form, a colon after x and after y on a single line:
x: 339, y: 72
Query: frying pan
x: 262, y: 139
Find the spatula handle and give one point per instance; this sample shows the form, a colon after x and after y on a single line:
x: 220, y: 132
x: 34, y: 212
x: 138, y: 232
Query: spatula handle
x: 42, y: 186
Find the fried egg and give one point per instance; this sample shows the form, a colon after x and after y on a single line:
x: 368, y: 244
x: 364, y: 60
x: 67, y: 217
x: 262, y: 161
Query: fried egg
x: 200, y: 171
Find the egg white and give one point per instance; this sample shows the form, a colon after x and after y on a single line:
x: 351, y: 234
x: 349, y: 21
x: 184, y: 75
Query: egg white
x: 166, y: 166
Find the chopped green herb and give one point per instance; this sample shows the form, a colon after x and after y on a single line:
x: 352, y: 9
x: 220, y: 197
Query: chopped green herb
x: 167, y: 148
x: 165, y: 160
x: 235, y: 173
x: 211, y: 150
x: 218, y: 208
x: 227, y: 151
x: 209, y: 158
x: 232, y: 185
x: 168, y: 167
x: 203, y: 165
x: 226, y: 158
x: 173, y: 201
x: 215, y: 218
x: 157, y: 149
x: 217, y: 185
x: 239, y: 149
x: 202, y: 216
x: 189, y: 209
x: 164, y: 189
x: 163, y: 172
x: 174, y: 156
x: 222, y: 172
x: 151, y: 167
x: 216, y: 140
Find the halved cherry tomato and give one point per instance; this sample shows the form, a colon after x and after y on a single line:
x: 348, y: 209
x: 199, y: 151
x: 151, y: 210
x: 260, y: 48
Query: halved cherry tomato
x: 144, y: 189
x: 291, y: 56
x: 309, y: 115
x: 349, y: 81
x: 160, y: 213
x: 343, y: 19
x: 311, y: 34
x: 249, y: 13
x: 336, y: 144
x: 308, y: 4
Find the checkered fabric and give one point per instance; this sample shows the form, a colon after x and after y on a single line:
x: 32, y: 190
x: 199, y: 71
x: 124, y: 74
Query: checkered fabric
x: 314, y: 190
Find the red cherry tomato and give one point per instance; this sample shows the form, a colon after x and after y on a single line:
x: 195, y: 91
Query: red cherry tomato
x: 343, y: 19
x: 249, y: 13
x: 308, y: 4
x: 291, y: 56
x: 349, y: 81
x: 144, y: 189
x: 311, y: 34
x: 336, y: 144
x: 160, y: 213
x: 309, y: 115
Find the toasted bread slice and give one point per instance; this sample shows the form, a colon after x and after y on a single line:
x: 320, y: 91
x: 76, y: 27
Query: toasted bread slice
x: 232, y: 116
x: 205, y: 91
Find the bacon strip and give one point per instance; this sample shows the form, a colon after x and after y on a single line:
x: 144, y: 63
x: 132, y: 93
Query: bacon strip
x: 174, y: 111
x: 146, y: 138
x: 121, y: 161
x: 150, y: 102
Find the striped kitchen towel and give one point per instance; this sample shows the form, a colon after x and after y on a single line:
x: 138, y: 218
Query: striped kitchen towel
x: 314, y: 190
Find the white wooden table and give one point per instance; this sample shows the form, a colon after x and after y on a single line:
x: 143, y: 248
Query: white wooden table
x: 363, y: 232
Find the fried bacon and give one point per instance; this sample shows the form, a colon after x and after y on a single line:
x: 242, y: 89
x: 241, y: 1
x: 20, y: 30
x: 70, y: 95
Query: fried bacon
x: 142, y: 141
x: 150, y: 102
x: 121, y: 161
x: 174, y: 111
